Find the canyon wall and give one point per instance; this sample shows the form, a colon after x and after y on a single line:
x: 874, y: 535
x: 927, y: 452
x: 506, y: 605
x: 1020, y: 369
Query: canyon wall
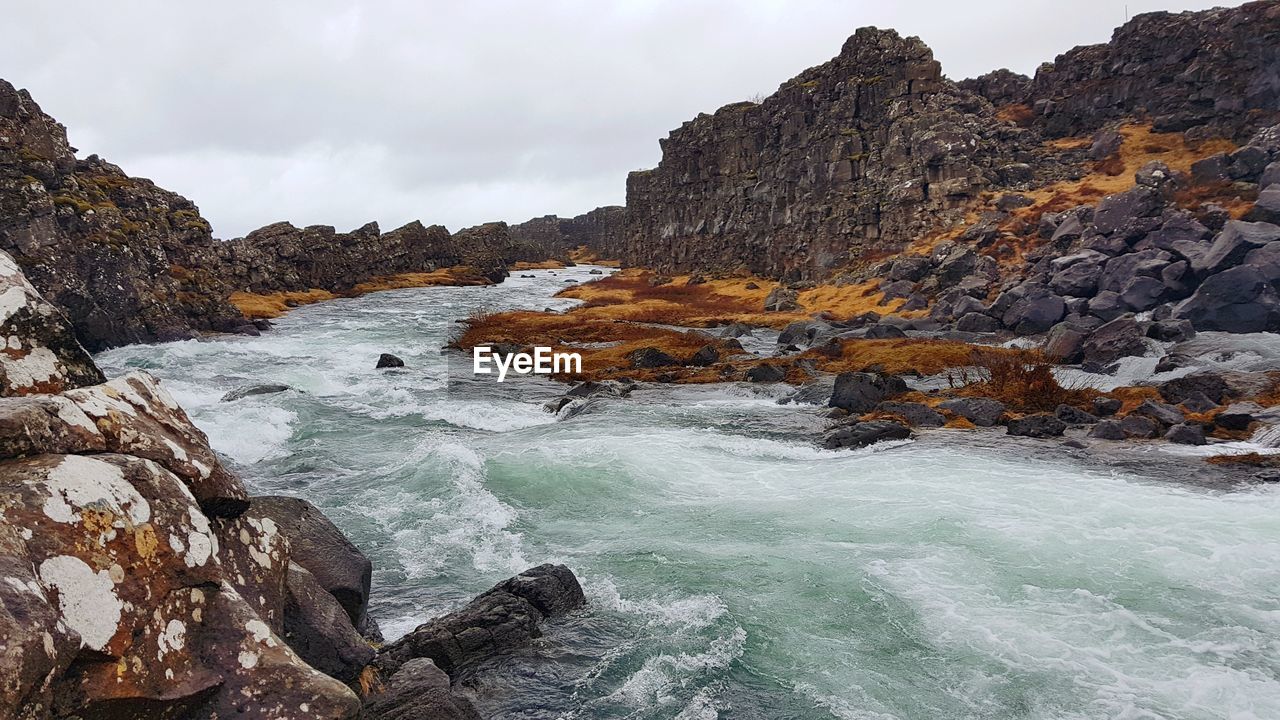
x: 852, y: 159
x: 863, y: 152
x: 601, y: 231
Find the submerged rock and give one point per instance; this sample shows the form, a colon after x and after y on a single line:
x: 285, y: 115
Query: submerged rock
x: 265, y: 389
x: 866, y: 433
x: 387, y: 360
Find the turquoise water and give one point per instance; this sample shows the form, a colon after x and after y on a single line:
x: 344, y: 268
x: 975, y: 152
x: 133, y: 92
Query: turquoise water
x: 735, y: 570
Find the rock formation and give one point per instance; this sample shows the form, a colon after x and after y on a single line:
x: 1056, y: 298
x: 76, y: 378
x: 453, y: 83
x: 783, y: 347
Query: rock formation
x: 125, y: 260
x: 600, y: 231
x: 141, y: 580
x: 1213, y: 69
x: 857, y: 155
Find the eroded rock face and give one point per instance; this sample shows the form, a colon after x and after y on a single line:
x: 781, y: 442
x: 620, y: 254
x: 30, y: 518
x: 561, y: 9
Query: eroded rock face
x: 601, y: 231
x: 40, y: 353
x: 864, y: 151
x: 125, y: 260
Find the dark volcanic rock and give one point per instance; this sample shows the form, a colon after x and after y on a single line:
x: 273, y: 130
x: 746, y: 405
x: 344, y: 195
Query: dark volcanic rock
x: 1107, y: 406
x: 1238, y: 300
x: 1041, y: 425
x: 864, y: 151
x: 766, y: 373
x: 418, y: 691
x: 983, y: 412
x: 1139, y: 426
x: 650, y: 357
x: 1160, y: 412
x: 859, y: 392
x: 865, y: 433
x: 1108, y: 430
x: 1238, y: 415
x: 503, y: 619
x: 1186, y: 434
x: 1119, y: 338
x: 601, y: 231
x: 916, y: 414
x: 1074, y: 416
x: 1177, y: 390
x: 387, y: 360
x: 320, y: 547
x: 319, y: 630
x: 250, y: 390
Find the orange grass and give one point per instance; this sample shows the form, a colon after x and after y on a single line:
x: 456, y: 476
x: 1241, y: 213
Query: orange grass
x: 253, y: 305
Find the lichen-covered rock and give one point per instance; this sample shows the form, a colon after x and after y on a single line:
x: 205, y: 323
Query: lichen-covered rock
x: 136, y: 416
x: 40, y: 353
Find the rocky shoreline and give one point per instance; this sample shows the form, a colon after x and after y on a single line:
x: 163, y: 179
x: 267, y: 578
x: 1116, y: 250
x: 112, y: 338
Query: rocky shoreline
x: 143, y: 580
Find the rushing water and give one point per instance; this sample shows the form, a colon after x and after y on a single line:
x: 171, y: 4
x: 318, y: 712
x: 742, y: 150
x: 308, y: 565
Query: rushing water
x: 733, y: 569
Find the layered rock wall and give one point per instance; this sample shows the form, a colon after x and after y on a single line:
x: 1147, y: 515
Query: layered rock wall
x: 601, y: 231
x: 862, y: 153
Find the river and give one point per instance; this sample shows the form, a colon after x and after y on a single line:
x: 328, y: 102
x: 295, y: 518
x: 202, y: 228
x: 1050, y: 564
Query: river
x: 733, y: 569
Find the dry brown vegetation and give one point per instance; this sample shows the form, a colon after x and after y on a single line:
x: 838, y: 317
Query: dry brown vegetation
x: 586, y: 256
x: 270, y: 305
x: 543, y: 265
x: 1021, y: 379
x: 1246, y: 460
x: 253, y: 305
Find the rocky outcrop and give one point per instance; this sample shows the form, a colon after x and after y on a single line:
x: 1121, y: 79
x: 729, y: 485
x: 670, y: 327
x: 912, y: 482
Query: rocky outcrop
x: 600, y: 231
x: 860, y: 154
x: 125, y: 260
x: 141, y: 580
x: 1213, y: 69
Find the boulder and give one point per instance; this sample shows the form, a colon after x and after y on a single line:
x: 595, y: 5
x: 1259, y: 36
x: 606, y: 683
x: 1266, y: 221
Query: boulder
x: 1040, y: 425
x: 912, y: 268
x: 1064, y: 343
x: 1267, y: 207
x: 1119, y: 338
x: 1139, y: 426
x: 1238, y: 415
x: 647, y: 358
x: 387, y: 360
x: 766, y: 373
x: 1035, y: 312
x: 320, y: 547
x: 977, y: 323
x: 1106, y: 406
x: 1197, y: 402
x: 1232, y: 244
x: 1116, y: 211
x: 1162, y: 413
x: 1186, y: 434
x: 505, y: 618
x: 706, y: 355
x: 1107, y: 305
x: 1119, y: 271
x: 1171, y: 330
x: 1143, y: 293
x: 865, y: 433
x: 1078, y: 274
x: 1210, y: 385
x: 418, y: 691
x: 320, y: 631
x: 782, y: 299
x: 1108, y: 430
x: 983, y: 412
x: 1266, y: 260
x: 1238, y: 300
x: 1074, y: 415
x: 916, y: 414
x: 860, y: 392
x: 881, y: 331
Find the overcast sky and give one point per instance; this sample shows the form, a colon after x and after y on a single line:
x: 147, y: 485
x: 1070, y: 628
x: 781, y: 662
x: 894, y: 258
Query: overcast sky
x: 450, y: 112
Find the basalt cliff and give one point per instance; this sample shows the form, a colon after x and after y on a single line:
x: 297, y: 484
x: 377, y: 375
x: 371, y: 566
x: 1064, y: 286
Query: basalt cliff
x: 857, y: 157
